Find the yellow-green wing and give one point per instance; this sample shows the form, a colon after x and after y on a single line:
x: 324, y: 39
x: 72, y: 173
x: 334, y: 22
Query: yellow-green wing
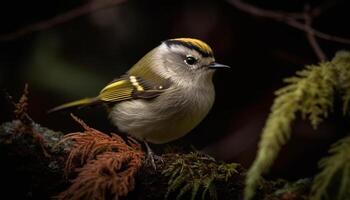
x: 118, y: 90
x: 126, y: 88
x: 130, y: 87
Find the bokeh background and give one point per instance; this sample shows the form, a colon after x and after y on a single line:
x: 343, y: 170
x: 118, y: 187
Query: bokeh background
x: 77, y: 58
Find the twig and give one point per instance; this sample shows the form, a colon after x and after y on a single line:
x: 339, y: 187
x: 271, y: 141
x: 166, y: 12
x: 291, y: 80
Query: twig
x: 326, y: 5
x: 256, y: 11
x: 20, y: 107
x: 290, y: 19
x: 311, y: 36
x: 90, y: 7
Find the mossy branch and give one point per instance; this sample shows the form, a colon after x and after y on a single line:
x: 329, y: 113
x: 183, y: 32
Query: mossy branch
x: 309, y: 93
x: 107, y: 167
x: 102, y: 166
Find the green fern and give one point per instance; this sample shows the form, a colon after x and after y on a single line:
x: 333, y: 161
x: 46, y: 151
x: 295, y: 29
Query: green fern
x: 196, y: 172
x: 310, y: 93
x: 333, y: 182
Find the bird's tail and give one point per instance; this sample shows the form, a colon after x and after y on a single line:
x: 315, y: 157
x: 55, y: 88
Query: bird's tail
x: 78, y: 103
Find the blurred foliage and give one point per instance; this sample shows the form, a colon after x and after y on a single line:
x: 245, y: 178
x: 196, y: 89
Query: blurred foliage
x: 51, y: 71
x: 311, y: 94
x: 343, y: 66
x: 194, y: 172
x: 333, y: 182
x: 298, y: 186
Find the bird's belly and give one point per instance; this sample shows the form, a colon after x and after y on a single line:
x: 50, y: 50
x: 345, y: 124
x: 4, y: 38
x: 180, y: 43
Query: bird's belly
x: 159, y: 123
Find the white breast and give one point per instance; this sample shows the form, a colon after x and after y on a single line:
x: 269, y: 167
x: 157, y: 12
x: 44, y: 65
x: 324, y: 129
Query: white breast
x: 167, y: 117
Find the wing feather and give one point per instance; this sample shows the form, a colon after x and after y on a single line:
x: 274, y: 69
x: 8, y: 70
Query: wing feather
x: 118, y: 90
x: 130, y: 87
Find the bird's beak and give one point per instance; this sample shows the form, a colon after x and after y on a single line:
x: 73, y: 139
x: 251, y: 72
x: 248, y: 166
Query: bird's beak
x: 215, y: 65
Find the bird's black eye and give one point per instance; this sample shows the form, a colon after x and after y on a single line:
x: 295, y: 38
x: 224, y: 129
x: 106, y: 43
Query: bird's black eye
x: 190, y: 60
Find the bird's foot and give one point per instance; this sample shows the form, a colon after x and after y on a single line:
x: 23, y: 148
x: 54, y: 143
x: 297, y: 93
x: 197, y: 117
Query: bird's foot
x: 151, y: 157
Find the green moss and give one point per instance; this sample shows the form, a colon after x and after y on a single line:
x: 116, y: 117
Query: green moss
x: 309, y: 93
x: 333, y: 182
x: 342, y: 63
x: 194, y: 173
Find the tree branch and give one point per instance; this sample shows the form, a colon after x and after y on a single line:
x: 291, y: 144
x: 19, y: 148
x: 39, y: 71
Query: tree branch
x: 90, y: 7
x: 311, y: 36
x: 289, y: 18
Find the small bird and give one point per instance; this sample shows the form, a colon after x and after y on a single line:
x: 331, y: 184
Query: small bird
x: 164, y: 95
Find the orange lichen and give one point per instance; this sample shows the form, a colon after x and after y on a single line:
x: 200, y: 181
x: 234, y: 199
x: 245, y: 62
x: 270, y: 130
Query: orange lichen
x: 106, y: 165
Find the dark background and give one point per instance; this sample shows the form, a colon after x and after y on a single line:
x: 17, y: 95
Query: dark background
x: 76, y: 59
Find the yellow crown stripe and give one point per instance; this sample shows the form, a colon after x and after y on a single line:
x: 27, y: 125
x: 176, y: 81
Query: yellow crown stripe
x: 195, y: 42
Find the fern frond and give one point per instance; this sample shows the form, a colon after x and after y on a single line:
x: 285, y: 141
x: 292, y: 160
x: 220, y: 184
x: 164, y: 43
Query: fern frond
x: 196, y: 172
x: 333, y: 182
x: 311, y: 93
